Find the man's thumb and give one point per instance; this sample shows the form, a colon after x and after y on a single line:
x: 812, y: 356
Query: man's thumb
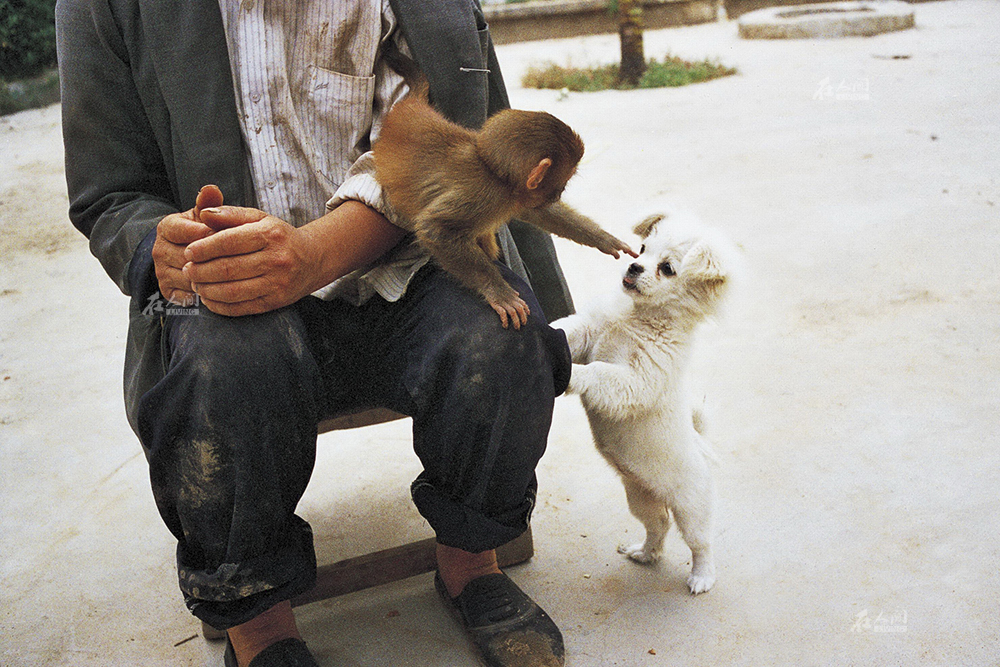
x: 208, y: 196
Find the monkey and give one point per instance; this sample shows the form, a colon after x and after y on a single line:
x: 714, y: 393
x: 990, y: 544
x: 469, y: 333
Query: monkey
x: 459, y: 186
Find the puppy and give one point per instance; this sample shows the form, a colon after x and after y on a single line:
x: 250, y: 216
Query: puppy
x: 629, y: 365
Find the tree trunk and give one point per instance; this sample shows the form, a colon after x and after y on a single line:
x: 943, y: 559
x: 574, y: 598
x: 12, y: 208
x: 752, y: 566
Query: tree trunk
x: 630, y: 32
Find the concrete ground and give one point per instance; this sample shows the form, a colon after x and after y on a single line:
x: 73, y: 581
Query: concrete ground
x: 852, y: 390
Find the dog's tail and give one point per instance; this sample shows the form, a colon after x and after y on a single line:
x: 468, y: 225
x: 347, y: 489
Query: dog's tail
x: 701, y: 428
x: 698, y: 419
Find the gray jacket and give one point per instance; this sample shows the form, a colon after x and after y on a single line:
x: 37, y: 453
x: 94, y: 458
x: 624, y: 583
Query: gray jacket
x: 149, y: 117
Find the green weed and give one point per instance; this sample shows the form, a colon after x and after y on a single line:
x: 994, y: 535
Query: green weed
x: 669, y: 72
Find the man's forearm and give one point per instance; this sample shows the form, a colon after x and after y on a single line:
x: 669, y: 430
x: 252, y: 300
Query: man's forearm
x: 350, y: 237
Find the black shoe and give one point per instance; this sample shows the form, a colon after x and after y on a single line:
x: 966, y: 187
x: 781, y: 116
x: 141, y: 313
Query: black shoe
x: 507, y: 627
x: 284, y: 653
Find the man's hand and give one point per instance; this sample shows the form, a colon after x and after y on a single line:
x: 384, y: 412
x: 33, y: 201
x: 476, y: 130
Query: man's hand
x: 173, y: 234
x: 241, y: 261
x: 252, y: 264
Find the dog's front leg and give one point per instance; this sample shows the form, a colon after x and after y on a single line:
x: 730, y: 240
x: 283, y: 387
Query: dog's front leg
x: 579, y: 335
x: 615, y: 390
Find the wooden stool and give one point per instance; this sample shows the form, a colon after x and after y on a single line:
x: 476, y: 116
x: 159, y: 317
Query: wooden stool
x: 387, y: 565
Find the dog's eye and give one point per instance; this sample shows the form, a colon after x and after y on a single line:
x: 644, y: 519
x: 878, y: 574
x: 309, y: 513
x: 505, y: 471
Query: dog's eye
x: 642, y: 249
x: 665, y: 269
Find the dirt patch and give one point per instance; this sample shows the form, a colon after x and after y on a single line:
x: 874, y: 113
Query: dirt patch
x: 33, y: 213
x: 861, y: 311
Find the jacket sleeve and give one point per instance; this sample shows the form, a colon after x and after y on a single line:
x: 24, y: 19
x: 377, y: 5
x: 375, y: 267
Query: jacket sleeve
x: 118, y: 184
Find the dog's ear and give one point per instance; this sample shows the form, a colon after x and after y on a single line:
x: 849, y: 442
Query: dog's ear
x: 645, y: 228
x: 703, y: 264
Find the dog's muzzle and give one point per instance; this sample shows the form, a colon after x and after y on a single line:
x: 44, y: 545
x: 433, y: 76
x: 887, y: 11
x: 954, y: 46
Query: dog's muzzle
x: 632, y: 276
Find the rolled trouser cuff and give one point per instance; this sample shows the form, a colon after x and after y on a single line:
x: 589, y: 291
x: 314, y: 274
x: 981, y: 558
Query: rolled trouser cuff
x: 462, y: 527
x: 234, y: 593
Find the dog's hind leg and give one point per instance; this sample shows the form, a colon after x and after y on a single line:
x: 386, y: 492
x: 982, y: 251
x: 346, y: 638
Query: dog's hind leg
x: 695, y: 524
x: 652, y: 511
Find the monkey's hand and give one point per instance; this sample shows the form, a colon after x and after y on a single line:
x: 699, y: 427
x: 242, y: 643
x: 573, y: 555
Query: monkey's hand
x: 461, y: 256
x: 611, y: 245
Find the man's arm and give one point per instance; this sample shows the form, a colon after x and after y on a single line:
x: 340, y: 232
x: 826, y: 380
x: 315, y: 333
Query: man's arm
x: 149, y: 117
x: 117, y: 184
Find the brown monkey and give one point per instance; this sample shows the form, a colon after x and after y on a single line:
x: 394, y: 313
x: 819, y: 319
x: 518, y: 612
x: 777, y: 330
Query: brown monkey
x: 458, y: 186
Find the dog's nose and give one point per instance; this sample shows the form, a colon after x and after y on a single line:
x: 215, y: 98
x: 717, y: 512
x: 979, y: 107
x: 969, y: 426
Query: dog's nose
x: 636, y: 268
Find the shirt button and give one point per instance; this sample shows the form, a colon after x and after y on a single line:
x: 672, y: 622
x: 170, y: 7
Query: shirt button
x: 255, y: 97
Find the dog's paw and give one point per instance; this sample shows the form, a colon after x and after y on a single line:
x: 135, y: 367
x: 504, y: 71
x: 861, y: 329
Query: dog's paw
x: 640, y: 553
x: 700, y: 583
x: 702, y: 574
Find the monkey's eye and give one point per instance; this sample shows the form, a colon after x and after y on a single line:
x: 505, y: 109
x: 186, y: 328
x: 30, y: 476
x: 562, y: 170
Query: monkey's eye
x: 642, y: 249
x: 665, y: 269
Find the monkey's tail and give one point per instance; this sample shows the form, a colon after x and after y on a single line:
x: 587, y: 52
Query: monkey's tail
x: 407, y: 68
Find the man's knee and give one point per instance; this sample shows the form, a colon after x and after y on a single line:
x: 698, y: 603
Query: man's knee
x: 237, y: 337
x: 239, y: 394
x: 528, y: 363
x: 486, y: 431
x: 231, y: 378
x: 217, y: 351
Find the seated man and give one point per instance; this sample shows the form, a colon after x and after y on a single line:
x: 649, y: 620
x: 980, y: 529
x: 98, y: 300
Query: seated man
x: 303, y: 296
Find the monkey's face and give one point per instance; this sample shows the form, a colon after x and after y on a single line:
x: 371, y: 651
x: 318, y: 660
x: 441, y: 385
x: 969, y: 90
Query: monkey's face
x: 532, y: 151
x: 540, y: 198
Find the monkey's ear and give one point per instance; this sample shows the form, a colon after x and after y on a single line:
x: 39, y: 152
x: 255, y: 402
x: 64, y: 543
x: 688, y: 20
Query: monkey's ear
x: 537, y: 174
x: 645, y: 228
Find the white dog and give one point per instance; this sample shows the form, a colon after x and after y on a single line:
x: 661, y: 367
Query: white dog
x: 629, y: 366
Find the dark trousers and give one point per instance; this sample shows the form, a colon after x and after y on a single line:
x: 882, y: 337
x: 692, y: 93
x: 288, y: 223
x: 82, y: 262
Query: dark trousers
x: 231, y: 428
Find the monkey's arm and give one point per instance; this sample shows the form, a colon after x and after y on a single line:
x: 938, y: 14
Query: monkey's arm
x: 562, y: 220
x: 460, y: 255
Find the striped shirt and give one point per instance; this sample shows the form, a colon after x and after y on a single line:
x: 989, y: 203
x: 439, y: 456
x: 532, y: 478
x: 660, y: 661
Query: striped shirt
x: 311, y: 92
